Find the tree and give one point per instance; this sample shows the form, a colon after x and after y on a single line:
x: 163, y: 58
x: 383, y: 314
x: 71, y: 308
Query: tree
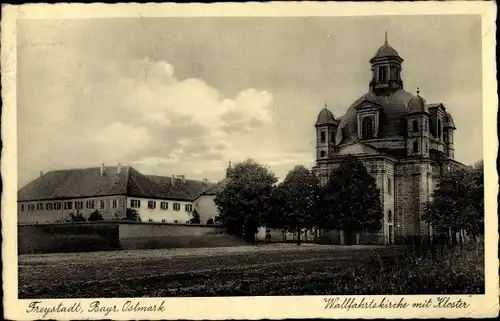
x: 458, y: 202
x: 132, y: 215
x: 95, y: 216
x: 350, y: 200
x: 196, y: 217
x: 245, y: 200
x: 296, y: 198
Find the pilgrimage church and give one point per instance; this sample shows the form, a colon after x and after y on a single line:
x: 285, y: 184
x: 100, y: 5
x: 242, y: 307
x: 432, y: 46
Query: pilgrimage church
x: 405, y: 142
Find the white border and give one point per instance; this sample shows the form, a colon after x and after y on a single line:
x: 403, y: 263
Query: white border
x: 248, y: 307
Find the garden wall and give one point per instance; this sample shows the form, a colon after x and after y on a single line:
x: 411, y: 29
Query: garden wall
x: 67, y: 237
x: 105, y: 236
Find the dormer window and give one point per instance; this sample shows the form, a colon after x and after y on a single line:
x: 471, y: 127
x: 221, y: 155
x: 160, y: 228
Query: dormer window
x: 367, y: 126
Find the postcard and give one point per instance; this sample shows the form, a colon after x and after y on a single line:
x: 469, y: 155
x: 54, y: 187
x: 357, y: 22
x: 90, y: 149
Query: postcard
x: 249, y: 160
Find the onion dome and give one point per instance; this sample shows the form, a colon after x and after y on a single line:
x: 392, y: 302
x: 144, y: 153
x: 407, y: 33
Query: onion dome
x: 448, y: 121
x: 417, y: 105
x: 325, y: 117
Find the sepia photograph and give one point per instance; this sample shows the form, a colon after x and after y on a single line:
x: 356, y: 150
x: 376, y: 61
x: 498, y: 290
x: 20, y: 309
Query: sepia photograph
x: 238, y: 156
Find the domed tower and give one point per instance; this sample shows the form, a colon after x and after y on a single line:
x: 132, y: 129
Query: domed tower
x: 417, y: 117
x: 448, y: 129
x: 386, y: 70
x: 326, y: 128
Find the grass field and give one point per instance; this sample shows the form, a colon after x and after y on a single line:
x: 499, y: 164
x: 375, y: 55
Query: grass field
x: 280, y: 269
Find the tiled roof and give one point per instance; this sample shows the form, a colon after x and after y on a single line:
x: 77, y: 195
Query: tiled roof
x: 89, y: 182
x: 216, y: 188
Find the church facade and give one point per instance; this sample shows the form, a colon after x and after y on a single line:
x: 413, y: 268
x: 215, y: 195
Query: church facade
x: 405, y: 143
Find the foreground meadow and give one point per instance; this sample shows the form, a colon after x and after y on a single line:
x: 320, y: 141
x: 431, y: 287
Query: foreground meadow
x: 280, y: 269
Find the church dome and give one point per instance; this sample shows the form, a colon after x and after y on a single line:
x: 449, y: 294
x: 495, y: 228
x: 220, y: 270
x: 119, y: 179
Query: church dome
x: 448, y: 121
x: 386, y: 51
x: 325, y: 117
x: 392, y: 121
x: 417, y: 105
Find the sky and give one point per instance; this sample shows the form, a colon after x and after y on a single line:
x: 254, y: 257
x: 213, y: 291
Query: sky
x: 184, y: 96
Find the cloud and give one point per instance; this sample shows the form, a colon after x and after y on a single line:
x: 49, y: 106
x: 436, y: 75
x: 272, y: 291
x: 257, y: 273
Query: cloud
x: 141, y: 113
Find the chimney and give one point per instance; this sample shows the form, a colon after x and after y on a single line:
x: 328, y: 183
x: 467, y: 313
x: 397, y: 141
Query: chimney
x: 119, y: 168
x: 41, y: 174
x: 182, y: 178
x: 102, y: 169
x: 205, y: 181
x: 173, y: 179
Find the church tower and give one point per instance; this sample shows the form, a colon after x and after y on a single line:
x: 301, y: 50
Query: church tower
x: 326, y: 128
x: 417, y: 117
x: 386, y: 70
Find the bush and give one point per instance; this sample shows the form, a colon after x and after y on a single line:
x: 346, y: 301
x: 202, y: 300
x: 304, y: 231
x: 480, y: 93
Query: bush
x: 196, y: 218
x: 78, y: 217
x: 95, y: 216
x: 210, y: 221
x: 132, y: 215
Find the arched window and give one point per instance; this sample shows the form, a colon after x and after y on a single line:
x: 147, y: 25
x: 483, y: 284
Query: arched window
x: 382, y: 74
x: 322, y: 153
x: 415, y: 125
x: 389, y: 186
x: 333, y: 137
x: 426, y: 147
x: 415, y: 147
x: 425, y: 124
x: 367, y: 128
x: 389, y: 216
x: 323, y: 136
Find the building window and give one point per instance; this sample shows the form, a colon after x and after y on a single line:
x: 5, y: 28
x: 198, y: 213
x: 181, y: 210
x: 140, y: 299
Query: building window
x: 102, y: 204
x: 90, y: 204
x: 22, y: 207
x: 389, y: 186
x: 150, y: 220
x: 188, y: 207
x: 57, y: 206
x: 425, y: 124
x: 322, y: 154
x: 415, y: 126
x: 415, y: 147
x: 177, y: 206
x: 79, y: 205
x: 367, y: 128
x: 164, y: 205
x: 68, y: 205
x: 439, y: 129
x: 333, y: 137
x: 135, y: 203
x: 382, y: 74
x: 426, y: 147
x: 163, y: 221
x: 323, y: 136
x: 394, y: 73
x: 49, y: 206
x: 114, y: 203
x: 31, y: 207
x: 389, y: 216
x: 152, y: 205
x: 175, y: 222
x: 39, y: 207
